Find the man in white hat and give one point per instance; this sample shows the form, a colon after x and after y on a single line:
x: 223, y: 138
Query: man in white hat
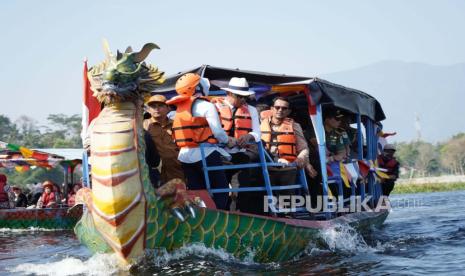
x: 239, y: 119
x: 241, y: 122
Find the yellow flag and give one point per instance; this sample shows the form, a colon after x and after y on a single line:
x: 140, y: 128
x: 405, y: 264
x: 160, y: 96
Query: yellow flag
x: 344, y: 175
x: 27, y: 153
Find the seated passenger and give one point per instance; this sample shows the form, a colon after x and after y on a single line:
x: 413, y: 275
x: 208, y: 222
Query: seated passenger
x: 6, y: 198
x: 48, y: 199
x: 197, y: 122
x: 336, y: 140
x: 241, y: 122
x: 72, y: 194
x: 159, y: 128
x: 285, y: 141
x: 20, y: 198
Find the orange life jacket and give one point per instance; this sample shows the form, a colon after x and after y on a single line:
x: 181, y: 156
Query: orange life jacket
x: 190, y: 131
x: 3, y: 195
x: 266, y: 114
x: 235, y: 124
x: 285, y: 138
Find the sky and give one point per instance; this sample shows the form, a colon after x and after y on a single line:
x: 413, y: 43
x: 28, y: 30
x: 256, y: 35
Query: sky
x: 45, y: 42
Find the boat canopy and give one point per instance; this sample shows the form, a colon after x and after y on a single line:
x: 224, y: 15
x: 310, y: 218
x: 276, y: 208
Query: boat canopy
x: 266, y: 84
x: 22, y: 158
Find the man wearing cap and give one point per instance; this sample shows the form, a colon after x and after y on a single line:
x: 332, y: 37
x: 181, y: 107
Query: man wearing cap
x: 336, y: 140
x: 240, y: 121
x: 389, y: 162
x: 197, y: 123
x: 159, y: 128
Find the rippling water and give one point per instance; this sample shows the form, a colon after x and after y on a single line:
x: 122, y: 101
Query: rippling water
x: 425, y: 234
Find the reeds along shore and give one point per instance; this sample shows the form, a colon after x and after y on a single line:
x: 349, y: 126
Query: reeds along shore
x: 406, y: 188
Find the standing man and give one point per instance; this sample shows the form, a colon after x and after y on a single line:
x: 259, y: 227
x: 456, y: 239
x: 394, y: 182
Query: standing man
x: 197, y: 122
x: 389, y: 162
x: 158, y: 127
x: 284, y: 138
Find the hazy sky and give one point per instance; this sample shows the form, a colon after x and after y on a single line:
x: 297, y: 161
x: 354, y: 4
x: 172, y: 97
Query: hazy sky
x: 44, y: 42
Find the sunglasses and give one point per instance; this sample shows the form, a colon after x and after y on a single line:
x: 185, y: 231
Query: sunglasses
x: 240, y: 97
x: 281, y: 107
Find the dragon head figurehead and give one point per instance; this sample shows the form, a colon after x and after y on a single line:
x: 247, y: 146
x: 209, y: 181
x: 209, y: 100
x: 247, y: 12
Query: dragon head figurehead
x: 124, y: 77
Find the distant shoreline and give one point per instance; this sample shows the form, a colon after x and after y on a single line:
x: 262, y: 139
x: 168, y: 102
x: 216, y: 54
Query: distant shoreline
x: 407, y: 188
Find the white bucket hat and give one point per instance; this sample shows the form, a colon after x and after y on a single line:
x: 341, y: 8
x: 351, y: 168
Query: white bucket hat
x: 239, y: 86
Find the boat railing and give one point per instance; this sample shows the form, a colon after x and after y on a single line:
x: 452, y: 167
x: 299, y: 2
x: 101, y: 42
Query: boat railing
x: 265, y: 161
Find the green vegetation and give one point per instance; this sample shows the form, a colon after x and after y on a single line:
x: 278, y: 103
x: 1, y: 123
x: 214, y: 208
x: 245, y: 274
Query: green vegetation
x: 61, y: 131
x: 422, y: 159
x: 427, y: 188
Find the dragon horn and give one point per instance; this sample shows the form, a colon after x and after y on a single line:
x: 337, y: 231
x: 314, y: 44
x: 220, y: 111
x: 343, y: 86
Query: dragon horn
x: 106, y: 49
x: 128, y: 50
x: 144, y: 52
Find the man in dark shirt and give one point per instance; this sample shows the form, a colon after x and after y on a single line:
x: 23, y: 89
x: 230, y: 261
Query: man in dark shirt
x: 20, y: 198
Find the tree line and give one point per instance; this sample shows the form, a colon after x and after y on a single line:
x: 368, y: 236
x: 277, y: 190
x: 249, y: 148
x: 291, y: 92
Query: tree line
x: 422, y: 159
x: 419, y: 158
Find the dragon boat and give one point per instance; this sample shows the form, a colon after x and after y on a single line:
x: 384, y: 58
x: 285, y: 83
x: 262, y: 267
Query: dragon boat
x: 22, y: 159
x: 124, y: 214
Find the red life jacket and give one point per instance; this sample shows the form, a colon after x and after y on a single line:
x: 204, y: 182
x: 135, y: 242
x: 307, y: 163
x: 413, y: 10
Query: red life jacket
x: 190, y: 131
x: 3, y: 195
x: 47, y: 198
x: 235, y: 124
x: 389, y: 165
x: 285, y: 136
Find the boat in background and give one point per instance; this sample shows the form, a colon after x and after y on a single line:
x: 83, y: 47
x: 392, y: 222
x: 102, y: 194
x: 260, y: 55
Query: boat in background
x: 20, y: 158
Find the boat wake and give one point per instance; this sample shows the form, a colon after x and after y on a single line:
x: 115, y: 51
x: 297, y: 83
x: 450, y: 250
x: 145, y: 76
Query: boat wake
x: 99, y: 264
x: 30, y: 229
x: 343, y: 238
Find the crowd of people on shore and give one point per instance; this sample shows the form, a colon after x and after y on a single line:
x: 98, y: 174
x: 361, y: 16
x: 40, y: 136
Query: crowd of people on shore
x: 37, y: 195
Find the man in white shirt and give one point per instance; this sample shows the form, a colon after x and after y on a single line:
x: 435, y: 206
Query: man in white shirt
x: 197, y: 122
x: 241, y: 122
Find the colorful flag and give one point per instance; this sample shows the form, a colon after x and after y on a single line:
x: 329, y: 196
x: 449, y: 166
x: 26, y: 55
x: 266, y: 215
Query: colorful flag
x: 90, y: 105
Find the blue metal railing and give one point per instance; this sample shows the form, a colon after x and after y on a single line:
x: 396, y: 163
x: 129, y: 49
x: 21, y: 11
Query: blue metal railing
x: 263, y: 164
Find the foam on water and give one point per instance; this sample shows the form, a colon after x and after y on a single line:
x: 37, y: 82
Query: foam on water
x: 30, y: 229
x: 99, y: 264
x: 161, y: 257
x: 343, y: 238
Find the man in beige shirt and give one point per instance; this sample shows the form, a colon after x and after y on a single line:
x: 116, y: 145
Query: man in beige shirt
x: 159, y: 127
x: 285, y: 140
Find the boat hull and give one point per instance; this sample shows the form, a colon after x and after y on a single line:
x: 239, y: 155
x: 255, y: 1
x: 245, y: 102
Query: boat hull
x: 47, y: 218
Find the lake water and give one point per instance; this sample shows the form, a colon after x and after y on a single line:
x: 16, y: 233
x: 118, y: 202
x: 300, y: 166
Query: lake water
x: 424, y: 234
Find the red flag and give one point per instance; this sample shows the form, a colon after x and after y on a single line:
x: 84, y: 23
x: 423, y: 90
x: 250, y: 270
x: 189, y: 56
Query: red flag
x: 90, y: 106
x: 364, y: 168
x: 93, y: 106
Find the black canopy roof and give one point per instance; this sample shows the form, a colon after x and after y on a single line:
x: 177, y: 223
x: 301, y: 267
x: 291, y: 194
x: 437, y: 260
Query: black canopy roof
x: 322, y: 91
